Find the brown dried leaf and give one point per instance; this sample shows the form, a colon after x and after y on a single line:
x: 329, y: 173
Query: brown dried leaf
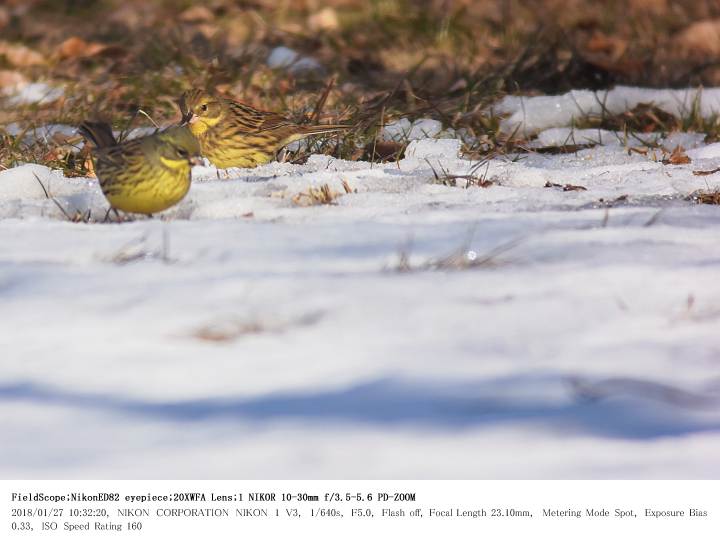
x: 78, y: 48
x: 567, y: 187
x: 706, y: 172
x: 20, y: 55
x: 613, y: 46
x: 325, y: 19
x: 4, y: 17
x: 132, y: 16
x: 10, y: 79
x: 89, y: 167
x: 677, y: 156
x: 316, y: 196
x: 702, y: 37
x: 197, y: 14
x: 703, y: 197
x: 53, y: 154
x: 207, y: 31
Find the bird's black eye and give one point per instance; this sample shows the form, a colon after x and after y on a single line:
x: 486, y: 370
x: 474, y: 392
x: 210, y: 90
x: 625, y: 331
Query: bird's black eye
x: 181, y: 152
x: 203, y: 107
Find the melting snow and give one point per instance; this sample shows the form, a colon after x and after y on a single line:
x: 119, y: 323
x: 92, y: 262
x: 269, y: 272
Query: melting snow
x: 529, y: 115
x: 284, y: 57
x: 34, y: 93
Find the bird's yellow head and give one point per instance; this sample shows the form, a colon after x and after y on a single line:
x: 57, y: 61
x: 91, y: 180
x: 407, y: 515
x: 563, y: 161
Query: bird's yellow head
x: 200, y: 110
x: 177, y: 148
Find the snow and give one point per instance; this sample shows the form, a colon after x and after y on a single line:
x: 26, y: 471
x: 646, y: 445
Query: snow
x: 711, y: 151
x: 410, y: 330
x: 284, y: 57
x: 432, y: 149
x: 42, y: 133
x: 404, y: 129
x: 529, y: 115
x: 563, y: 136
x: 35, y: 93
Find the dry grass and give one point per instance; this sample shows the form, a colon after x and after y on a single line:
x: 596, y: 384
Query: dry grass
x: 706, y: 197
x: 565, y: 187
x: 316, y: 196
x: 137, y: 250
x: 476, y: 177
x: 461, y: 259
x: 231, y: 329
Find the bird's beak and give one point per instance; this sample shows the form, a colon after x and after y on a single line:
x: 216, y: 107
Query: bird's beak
x: 189, y: 118
x: 196, y: 161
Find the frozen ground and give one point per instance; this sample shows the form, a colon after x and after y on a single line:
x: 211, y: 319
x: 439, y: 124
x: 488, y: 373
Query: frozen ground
x: 412, y: 330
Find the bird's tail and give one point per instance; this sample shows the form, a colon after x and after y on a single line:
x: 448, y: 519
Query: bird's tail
x: 322, y: 129
x: 98, y: 132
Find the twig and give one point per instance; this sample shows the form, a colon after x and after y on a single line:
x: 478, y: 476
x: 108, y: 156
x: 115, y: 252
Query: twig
x: 150, y: 118
x: 377, y: 132
x: 315, y: 118
x: 47, y: 195
x: 706, y: 172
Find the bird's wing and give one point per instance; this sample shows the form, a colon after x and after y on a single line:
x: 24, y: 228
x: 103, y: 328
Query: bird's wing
x: 254, y: 120
x: 120, y: 155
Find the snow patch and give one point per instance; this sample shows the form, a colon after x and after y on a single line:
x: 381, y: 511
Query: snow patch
x: 711, y: 151
x: 530, y: 115
x: 24, y: 181
x: 294, y: 62
x: 35, y: 93
x: 433, y: 149
x: 40, y: 134
x: 403, y: 129
x: 540, y: 318
x: 565, y: 136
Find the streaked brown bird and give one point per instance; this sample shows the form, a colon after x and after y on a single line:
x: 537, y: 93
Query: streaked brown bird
x: 145, y: 175
x: 234, y: 134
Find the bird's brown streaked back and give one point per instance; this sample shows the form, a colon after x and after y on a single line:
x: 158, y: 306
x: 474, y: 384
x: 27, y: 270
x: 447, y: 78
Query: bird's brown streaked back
x: 232, y: 133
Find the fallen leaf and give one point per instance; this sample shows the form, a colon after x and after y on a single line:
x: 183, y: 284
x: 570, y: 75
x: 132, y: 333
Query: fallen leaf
x: 702, y: 37
x: 325, y: 19
x: 460, y: 85
x: 89, y: 167
x: 197, y: 14
x: 645, y: 7
x: 20, y: 55
x: 610, y: 45
x: 566, y: 187
x: 4, y: 17
x: 706, y: 172
x: 78, y: 48
x: 703, y: 197
x: 53, y: 154
x: 10, y: 79
x: 207, y: 31
x: 677, y: 156
x: 571, y: 187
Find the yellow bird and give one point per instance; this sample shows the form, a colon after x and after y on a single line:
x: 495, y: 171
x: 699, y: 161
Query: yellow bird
x: 145, y: 175
x: 234, y: 134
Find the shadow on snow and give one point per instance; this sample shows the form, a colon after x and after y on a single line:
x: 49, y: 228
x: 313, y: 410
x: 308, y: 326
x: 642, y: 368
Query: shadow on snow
x: 623, y: 408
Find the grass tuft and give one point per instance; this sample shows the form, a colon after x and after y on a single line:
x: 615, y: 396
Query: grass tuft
x: 317, y: 196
